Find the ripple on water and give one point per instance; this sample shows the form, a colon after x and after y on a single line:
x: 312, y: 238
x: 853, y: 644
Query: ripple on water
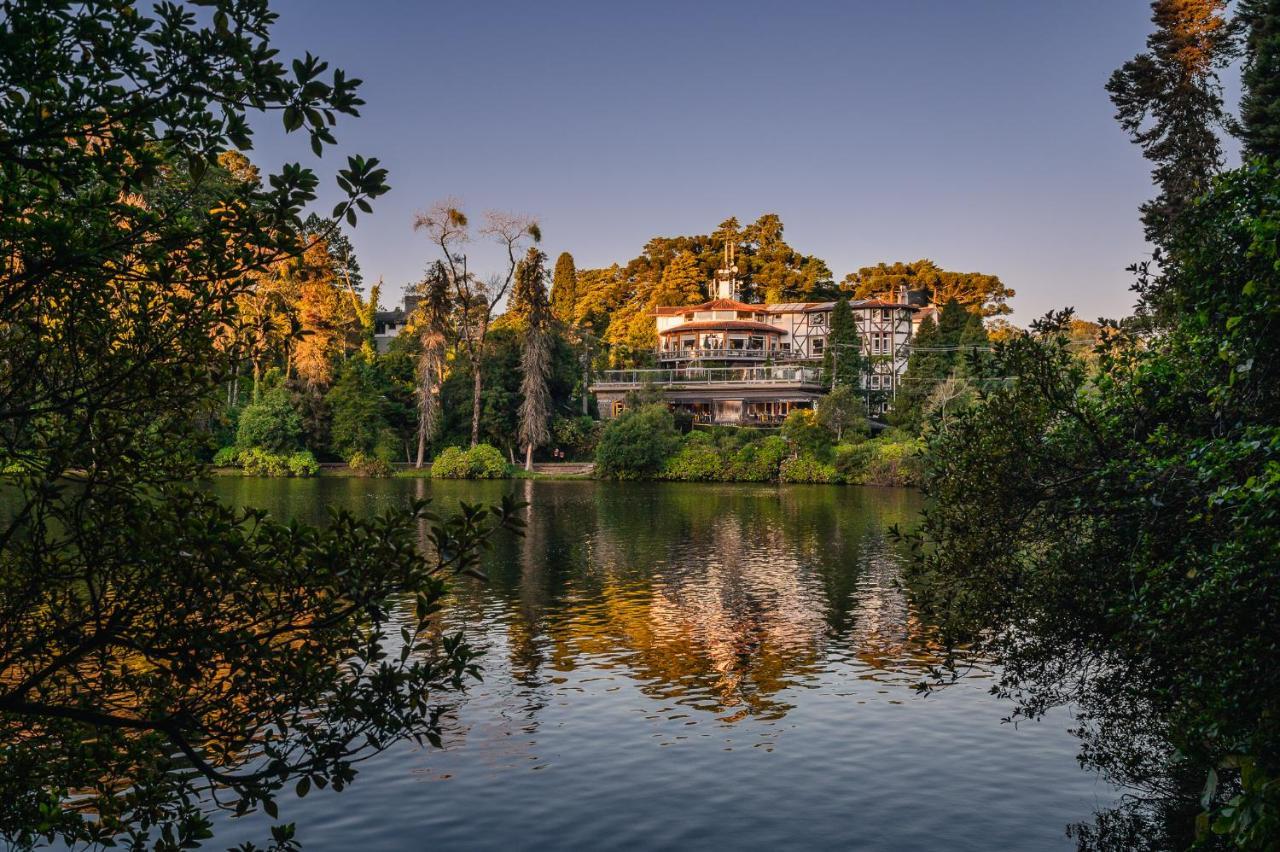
x: 683, y: 666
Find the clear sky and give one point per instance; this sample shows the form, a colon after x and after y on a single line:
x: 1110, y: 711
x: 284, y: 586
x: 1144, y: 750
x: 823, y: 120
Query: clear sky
x: 976, y: 133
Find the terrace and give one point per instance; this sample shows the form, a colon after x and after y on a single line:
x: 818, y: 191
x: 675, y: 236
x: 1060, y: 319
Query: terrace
x: 720, y: 377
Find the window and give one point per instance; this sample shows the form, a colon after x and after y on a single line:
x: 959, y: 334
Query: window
x: 618, y: 407
x: 786, y: 346
x: 875, y: 381
x: 819, y: 344
x: 746, y: 315
x: 688, y: 317
x: 818, y: 320
x: 884, y: 313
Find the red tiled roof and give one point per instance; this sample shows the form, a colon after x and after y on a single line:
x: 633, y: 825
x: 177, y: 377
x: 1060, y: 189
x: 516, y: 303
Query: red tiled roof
x: 724, y: 325
x: 713, y: 305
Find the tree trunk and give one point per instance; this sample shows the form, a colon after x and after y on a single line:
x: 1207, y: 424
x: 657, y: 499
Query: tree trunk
x: 422, y: 445
x: 476, y: 387
x: 528, y: 457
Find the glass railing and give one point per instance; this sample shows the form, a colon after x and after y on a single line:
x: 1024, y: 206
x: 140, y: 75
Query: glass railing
x: 775, y: 375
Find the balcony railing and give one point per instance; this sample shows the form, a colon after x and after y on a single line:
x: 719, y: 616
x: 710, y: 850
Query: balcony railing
x: 716, y: 354
x: 698, y: 376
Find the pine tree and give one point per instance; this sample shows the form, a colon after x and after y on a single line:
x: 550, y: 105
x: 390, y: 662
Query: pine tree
x: 842, y: 361
x: 1170, y: 102
x: 535, y: 358
x: 1260, y: 103
x: 564, y: 289
x: 924, y: 369
x: 681, y: 282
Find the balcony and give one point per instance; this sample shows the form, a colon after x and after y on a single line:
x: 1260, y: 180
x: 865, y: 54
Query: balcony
x: 722, y: 377
x: 710, y: 354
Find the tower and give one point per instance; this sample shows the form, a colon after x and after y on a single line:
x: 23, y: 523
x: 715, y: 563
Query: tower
x: 726, y: 285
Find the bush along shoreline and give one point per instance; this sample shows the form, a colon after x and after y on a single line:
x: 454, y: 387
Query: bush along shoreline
x: 644, y: 444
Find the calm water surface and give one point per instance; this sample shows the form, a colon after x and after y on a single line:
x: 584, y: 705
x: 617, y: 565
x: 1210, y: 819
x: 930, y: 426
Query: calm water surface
x: 692, y: 666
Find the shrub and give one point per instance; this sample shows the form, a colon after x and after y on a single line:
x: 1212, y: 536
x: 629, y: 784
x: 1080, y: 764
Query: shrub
x: 226, y: 457
x: 451, y: 463
x: 259, y: 462
x: 853, y: 460
x: 367, y: 465
x: 697, y: 461
x: 894, y: 463
x: 637, y: 443
x: 576, y: 436
x: 759, y: 461
x: 483, y: 461
x: 303, y: 463
x: 806, y: 435
x: 271, y: 424
x: 805, y: 468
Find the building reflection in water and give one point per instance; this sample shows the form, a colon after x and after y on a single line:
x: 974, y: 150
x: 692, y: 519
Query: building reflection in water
x: 714, y: 599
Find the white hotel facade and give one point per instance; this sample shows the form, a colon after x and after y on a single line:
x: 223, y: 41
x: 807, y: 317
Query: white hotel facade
x: 730, y: 362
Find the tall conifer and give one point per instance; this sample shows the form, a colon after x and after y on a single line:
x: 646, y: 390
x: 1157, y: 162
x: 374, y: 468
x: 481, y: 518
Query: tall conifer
x: 564, y: 289
x: 535, y: 359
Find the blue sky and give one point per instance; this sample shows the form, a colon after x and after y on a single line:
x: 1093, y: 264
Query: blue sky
x: 975, y: 133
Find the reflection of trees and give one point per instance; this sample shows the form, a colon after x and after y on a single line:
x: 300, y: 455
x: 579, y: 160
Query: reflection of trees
x: 718, y: 598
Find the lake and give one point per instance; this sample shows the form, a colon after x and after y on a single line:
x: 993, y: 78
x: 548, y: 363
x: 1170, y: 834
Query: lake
x: 692, y: 666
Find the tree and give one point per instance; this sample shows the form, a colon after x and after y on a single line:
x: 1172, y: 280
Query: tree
x: 976, y: 291
x: 841, y: 409
x: 1105, y: 527
x: 636, y: 443
x: 535, y: 358
x: 447, y: 226
x: 361, y: 414
x: 324, y: 318
x: 431, y: 323
x: 806, y: 435
x: 154, y: 642
x: 681, y: 284
x: 564, y: 290
x: 1260, y: 103
x: 271, y: 423
x: 1169, y: 101
x: 842, y: 360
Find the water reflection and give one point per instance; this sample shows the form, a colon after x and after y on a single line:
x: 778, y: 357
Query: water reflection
x: 719, y: 621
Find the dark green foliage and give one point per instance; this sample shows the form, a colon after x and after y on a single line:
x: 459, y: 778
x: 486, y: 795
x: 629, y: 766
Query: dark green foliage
x: 806, y: 435
x: 1130, y: 510
x: 479, y: 462
x: 842, y: 361
x: 636, y: 444
x: 154, y: 643
x: 759, y: 461
x: 500, y: 397
x: 843, y: 412
x: 1260, y: 103
x: 564, y: 289
x: 576, y: 437
x: 806, y: 468
x: 271, y: 424
x: 1169, y: 101
x: 362, y: 410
